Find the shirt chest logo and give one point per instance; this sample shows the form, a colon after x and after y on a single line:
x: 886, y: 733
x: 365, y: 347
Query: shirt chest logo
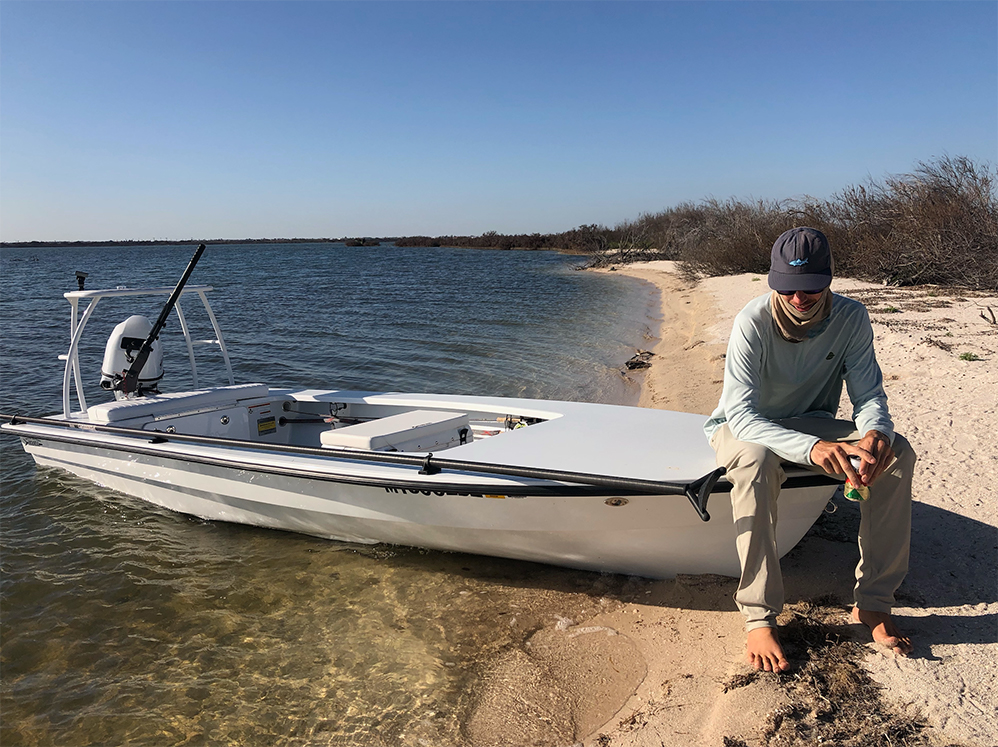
x: 829, y: 356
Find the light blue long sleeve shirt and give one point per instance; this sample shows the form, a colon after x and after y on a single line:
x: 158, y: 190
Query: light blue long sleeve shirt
x: 767, y: 378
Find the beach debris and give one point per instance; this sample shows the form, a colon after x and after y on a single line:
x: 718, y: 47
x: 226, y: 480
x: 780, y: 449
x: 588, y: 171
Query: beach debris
x: 740, y: 680
x: 938, y: 343
x: 641, y: 359
x: 992, y: 320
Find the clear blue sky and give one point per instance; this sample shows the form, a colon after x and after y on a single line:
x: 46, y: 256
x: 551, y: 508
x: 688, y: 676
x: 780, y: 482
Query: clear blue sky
x: 231, y: 120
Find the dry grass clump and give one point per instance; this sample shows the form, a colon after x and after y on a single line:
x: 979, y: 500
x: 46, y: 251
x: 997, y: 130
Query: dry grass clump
x: 831, y: 698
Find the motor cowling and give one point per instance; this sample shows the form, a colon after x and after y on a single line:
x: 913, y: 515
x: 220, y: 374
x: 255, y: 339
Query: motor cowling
x: 121, y: 349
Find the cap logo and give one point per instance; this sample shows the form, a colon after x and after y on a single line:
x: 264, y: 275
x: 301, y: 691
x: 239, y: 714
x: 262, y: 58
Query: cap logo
x: 797, y: 262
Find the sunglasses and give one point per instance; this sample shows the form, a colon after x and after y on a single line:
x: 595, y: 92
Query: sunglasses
x: 803, y: 293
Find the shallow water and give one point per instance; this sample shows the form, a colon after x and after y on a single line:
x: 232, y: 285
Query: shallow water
x: 125, y: 623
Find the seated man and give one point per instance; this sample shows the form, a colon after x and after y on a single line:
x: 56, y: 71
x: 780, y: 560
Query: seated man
x: 789, y: 353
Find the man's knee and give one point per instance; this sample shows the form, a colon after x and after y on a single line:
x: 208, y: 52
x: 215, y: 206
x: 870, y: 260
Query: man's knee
x: 753, y: 462
x: 759, y: 459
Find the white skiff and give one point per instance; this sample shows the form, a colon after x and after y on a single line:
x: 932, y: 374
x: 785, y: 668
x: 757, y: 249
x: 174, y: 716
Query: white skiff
x: 592, y: 486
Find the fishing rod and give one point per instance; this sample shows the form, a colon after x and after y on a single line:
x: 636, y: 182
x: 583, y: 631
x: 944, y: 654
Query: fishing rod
x: 127, y: 382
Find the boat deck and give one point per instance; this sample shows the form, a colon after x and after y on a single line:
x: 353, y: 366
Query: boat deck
x: 614, y: 440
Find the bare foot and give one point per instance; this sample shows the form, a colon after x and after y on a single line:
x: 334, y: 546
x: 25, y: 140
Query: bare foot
x: 885, y: 632
x: 763, y: 650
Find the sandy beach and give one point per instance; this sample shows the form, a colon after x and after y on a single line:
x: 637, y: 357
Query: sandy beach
x: 664, y: 664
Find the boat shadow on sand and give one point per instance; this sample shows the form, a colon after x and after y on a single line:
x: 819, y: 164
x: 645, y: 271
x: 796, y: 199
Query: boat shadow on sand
x: 944, y: 574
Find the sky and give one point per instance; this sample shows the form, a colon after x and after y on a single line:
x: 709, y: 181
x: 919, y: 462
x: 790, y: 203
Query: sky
x: 180, y: 120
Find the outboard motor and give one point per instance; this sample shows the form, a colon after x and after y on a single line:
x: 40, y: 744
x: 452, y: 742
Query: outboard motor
x: 122, y: 345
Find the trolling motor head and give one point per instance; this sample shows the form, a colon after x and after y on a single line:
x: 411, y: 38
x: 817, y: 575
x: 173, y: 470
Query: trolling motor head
x: 80, y: 277
x: 119, y: 355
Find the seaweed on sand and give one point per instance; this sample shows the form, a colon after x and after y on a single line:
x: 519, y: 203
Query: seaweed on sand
x: 831, y: 698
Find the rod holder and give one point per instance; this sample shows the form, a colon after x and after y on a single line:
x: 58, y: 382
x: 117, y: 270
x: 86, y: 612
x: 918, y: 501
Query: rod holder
x: 429, y: 469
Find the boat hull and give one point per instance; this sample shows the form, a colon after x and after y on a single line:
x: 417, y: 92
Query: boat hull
x: 655, y: 536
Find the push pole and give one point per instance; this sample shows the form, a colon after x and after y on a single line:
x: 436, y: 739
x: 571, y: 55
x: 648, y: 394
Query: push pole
x: 129, y: 379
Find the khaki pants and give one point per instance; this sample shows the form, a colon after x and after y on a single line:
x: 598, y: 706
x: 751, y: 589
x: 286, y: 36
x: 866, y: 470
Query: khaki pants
x: 756, y: 475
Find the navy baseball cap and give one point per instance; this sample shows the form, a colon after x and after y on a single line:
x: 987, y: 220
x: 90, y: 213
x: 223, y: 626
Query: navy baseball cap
x: 801, y: 261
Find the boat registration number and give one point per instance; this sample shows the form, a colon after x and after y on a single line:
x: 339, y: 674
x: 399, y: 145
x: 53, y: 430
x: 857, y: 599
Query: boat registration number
x: 408, y: 491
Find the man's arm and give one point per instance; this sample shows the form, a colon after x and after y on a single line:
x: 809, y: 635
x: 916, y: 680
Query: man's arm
x: 740, y: 398
x: 865, y: 385
x: 865, y: 382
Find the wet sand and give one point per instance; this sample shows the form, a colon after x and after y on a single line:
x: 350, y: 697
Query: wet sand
x: 664, y: 663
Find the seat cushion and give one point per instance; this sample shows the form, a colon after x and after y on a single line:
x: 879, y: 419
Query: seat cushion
x: 163, y: 404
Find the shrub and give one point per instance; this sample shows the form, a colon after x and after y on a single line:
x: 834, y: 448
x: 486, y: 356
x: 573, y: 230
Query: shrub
x: 938, y: 224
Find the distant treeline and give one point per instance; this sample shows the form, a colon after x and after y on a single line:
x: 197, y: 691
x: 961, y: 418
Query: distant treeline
x: 494, y: 240
x: 938, y: 224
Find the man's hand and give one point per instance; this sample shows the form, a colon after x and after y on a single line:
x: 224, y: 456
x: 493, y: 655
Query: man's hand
x: 874, y: 451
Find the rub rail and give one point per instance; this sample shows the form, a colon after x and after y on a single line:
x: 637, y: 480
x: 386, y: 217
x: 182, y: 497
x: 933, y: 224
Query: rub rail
x: 698, y: 492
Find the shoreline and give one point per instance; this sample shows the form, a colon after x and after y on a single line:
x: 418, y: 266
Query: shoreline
x: 677, y: 645
x: 688, y: 356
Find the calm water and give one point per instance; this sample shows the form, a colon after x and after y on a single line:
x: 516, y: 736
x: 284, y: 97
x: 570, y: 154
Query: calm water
x: 123, y: 623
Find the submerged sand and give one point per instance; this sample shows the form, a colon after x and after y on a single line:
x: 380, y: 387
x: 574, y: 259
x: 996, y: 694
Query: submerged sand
x: 663, y: 664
